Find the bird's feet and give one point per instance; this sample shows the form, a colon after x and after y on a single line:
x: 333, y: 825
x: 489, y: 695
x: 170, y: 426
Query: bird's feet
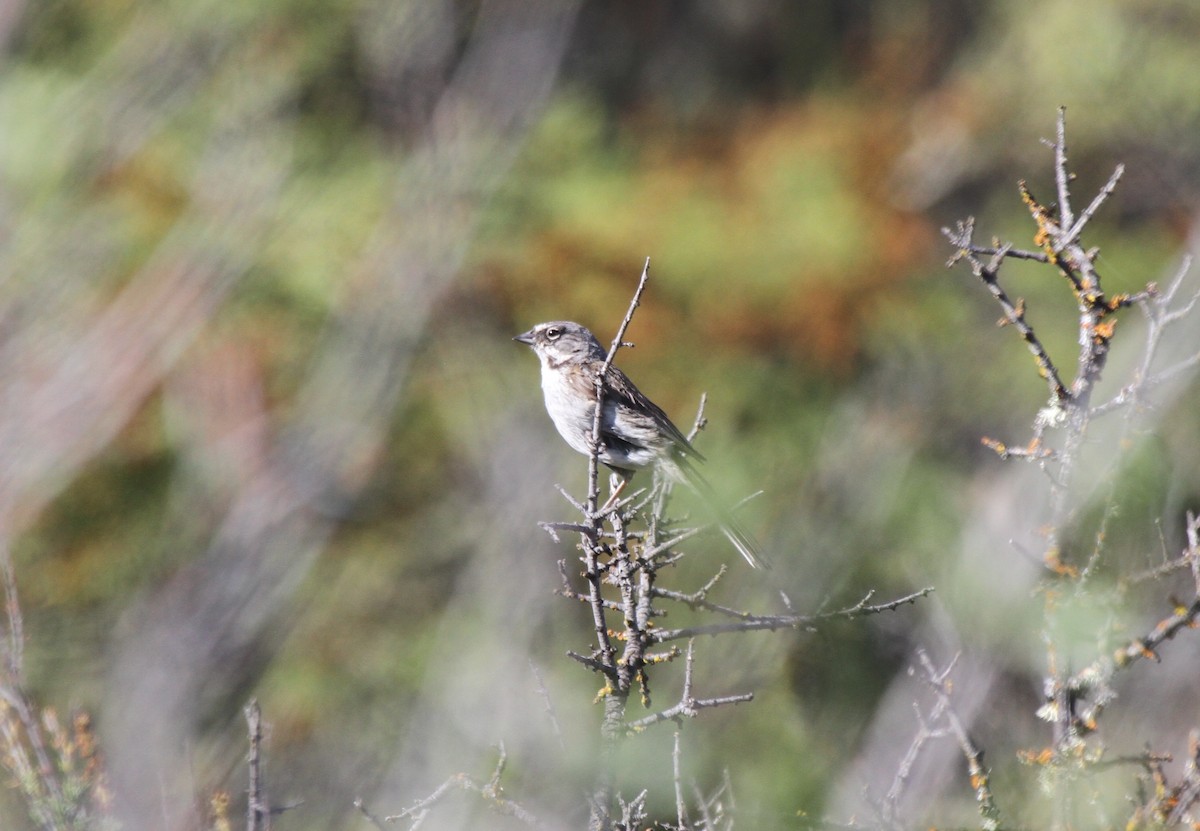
x: 614, y: 497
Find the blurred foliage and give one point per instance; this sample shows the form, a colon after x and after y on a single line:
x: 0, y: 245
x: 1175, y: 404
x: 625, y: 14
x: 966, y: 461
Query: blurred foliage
x: 785, y: 166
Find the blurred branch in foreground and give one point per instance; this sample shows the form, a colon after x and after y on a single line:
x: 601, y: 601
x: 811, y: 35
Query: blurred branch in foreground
x: 1077, y: 551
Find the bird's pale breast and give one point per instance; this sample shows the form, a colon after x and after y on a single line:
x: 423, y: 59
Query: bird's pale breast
x: 570, y: 409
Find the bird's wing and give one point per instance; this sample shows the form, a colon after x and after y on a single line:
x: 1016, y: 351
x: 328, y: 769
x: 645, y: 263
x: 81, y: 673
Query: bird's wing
x: 682, y: 464
x: 628, y: 396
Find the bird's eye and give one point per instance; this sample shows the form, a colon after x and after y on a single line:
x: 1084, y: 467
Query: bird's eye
x: 553, y: 332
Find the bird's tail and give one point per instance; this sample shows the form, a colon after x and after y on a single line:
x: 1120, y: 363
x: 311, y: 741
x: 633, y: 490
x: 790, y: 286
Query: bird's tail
x: 730, y: 526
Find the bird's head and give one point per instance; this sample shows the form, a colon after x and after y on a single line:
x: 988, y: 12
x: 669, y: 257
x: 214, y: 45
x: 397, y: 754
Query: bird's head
x: 561, y: 341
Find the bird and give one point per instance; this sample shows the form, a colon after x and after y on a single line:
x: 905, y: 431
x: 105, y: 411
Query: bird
x: 635, y: 433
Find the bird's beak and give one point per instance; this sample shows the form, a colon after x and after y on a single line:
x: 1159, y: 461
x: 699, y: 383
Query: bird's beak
x: 526, y: 338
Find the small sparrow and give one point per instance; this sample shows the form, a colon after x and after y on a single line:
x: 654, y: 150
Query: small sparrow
x: 634, y: 432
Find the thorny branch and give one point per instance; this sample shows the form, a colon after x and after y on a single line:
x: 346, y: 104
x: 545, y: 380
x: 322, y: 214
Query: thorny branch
x: 1058, y: 238
x: 942, y: 720
x: 1014, y: 313
x: 1161, y: 313
x: 617, y: 343
x: 1075, y: 700
x: 620, y: 673
x: 980, y: 781
x: 750, y: 623
x: 1094, y: 679
x: 491, y: 792
x: 689, y: 706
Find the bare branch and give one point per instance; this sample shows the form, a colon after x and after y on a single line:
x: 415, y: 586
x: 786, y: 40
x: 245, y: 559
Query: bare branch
x: 489, y: 791
x: 371, y: 818
x: 617, y: 343
x: 681, y: 816
x: 258, y: 808
x: 592, y: 663
x: 1014, y: 313
x: 980, y: 780
x: 700, y: 422
x: 1085, y: 217
x: 14, y: 658
x: 551, y: 713
x: 755, y: 623
x: 1061, y: 175
x: 1184, y: 617
x: 688, y: 706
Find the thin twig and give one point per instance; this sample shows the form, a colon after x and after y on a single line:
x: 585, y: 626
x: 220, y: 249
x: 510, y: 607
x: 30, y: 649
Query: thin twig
x: 687, y: 709
x: 681, y: 816
x: 14, y: 660
x: 371, y: 818
x: 980, y: 780
x: 700, y: 422
x: 1187, y: 792
x: 961, y: 238
x: 1061, y: 175
x: 891, y: 803
x: 1009, y: 252
x: 258, y: 809
x: 633, y: 812
x: 1095, y: 677
x: 490, y: 792
x: 552, y: 528
x: 593, y: 664
x: 617, y: 343
x: 1184, y: 617
x: 688, y: 706
x: 1085, y: 217
x: 682, y: 536
x: 544, y: 692
x: 755, y: 623
x: 1158, y: 572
